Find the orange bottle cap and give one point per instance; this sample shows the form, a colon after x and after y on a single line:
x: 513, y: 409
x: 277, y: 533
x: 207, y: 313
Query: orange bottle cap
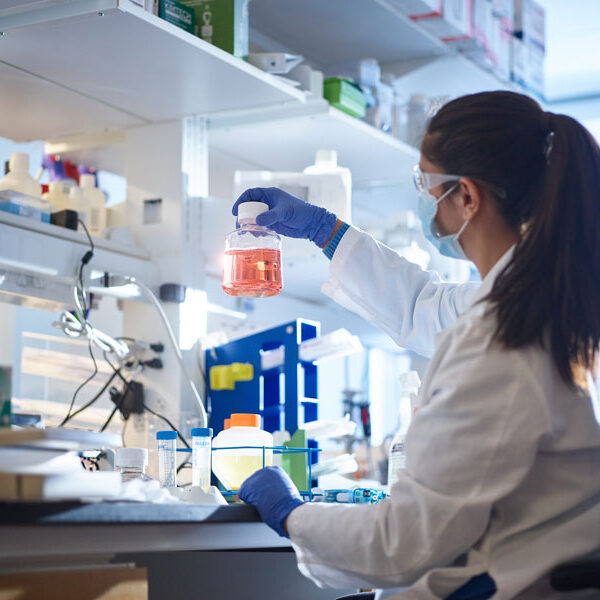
x: 245, y: 420
x: 226, y: 423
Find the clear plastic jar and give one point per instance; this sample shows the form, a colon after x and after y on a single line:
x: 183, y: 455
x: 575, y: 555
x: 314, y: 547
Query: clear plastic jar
x: 201, y: 456
x: 252, y: 260
x: 234, y: 465
x: 132, y: 463
x: 167, y: 459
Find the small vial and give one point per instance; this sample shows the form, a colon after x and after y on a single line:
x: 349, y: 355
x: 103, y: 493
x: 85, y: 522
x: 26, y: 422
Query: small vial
x: 201, y: 456
x: 132, y: 463
x: 252, y: 260
x: 167, y: 451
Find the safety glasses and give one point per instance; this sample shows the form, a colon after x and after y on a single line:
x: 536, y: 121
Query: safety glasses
x: 427, y: 181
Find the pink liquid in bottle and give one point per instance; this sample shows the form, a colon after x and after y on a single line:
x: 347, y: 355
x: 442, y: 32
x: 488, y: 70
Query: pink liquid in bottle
x: 253, y: 273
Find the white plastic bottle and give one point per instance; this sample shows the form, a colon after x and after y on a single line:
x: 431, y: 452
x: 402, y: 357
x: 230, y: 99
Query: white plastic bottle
x: 18, y: 178
x: 237, y: 462
x: 56, y: 196
x: 97, y: 202
x: 335, y: 183
x: 410, y: 383
x: 79, y: 203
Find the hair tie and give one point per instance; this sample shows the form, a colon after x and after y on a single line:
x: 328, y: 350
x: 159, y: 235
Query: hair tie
x: 548, y: 146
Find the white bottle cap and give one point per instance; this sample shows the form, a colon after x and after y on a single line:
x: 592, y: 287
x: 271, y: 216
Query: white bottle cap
x: 56, y: 187
x: 248, y: 211
x: 75, y: 193
x: 19, y: 161
x: 326, y: 158
x: 87, y: 181
x: 132, y: 457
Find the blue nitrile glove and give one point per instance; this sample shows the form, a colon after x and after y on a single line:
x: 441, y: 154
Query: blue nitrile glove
x: 290, y: 216
x: 273, y: 494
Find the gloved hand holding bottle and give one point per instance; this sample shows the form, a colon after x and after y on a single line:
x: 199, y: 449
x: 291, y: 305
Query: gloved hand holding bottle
x: 290, y: 216
x: 273, y: 494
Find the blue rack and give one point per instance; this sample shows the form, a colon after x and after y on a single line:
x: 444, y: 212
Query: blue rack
x: 310, y: 460
x: 285, y: 396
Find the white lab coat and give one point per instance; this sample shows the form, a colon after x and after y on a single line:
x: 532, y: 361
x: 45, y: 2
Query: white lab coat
x: 503, y: 460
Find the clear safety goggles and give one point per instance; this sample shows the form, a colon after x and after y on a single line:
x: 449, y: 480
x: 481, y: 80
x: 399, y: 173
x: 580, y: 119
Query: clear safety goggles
x: 427, y: 181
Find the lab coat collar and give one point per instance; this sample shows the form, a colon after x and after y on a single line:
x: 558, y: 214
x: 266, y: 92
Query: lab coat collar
x: 488, y: 281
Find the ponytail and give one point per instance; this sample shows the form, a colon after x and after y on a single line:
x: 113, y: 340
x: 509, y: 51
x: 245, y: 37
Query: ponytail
x: 549, y: 167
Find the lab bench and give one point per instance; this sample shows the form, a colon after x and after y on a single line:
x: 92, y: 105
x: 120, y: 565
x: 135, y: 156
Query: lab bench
x: 190, y: 551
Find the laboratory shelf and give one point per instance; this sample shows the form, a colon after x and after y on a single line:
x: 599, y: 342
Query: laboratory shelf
x: 39, y: 261
x: 286, y: 140
x: 76, y: 66
x: 340, y: 30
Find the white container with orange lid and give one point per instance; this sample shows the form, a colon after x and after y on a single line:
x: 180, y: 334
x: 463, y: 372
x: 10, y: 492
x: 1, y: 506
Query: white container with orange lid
x: 235, y: 464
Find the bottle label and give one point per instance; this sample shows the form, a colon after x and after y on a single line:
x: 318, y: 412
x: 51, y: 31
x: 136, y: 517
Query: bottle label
x: 397, y: 461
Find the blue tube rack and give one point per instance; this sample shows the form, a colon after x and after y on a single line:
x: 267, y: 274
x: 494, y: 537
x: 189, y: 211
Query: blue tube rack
x: 276, y: 450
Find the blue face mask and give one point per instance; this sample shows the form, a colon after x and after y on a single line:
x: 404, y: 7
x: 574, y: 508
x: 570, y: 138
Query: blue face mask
x: 447, y: 245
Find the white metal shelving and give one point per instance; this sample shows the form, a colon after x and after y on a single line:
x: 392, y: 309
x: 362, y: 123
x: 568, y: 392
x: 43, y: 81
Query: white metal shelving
x: 41, y: 260
x: 287, y: 141
x: 82, y: 64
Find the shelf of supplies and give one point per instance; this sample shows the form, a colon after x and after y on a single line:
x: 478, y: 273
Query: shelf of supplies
x: 86, y: 65
x: 46, y: 254
x: 287, y: 140
x: 338, y: 30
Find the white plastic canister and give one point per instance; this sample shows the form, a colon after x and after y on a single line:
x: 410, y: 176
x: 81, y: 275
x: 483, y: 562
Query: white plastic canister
x: 235, y: 465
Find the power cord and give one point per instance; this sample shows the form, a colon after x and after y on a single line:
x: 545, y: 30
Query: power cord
x: 156, y: 414
x: 92, y: 376
x: 90, y: 402
x: 155, y: 301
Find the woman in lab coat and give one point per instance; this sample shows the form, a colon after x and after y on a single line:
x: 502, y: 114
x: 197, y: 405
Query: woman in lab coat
x: 502, y: 480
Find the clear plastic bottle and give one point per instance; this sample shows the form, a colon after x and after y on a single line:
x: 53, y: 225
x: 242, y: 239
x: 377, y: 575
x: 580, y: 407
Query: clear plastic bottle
x: 201, y: 456
x: 18, y: 178
x: 79, y: 203
x: 132, y: 463
x: 167, y: 458
x: 56, y: 196
x: 252, y: 261
x: 410, y: 383
x: 96, y: 200
x: 235, y: 464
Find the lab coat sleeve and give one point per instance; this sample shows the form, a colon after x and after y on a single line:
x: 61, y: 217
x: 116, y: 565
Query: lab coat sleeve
x: 472, y: 443
x: 409, y: 304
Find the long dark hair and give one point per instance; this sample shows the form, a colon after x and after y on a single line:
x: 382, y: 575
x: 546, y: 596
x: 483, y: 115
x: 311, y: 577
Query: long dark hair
x: 549, y: 167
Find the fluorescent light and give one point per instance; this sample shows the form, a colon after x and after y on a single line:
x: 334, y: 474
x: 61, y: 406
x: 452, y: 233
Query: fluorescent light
x: 18, y: 264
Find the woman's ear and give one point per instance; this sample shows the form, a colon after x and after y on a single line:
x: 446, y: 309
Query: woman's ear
x: 469, y: 199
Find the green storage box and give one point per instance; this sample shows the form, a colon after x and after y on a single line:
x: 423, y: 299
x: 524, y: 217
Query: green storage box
x: 223, y: 23
x: 345, y: 96
x: 5, y: 396
x: 177, y: 14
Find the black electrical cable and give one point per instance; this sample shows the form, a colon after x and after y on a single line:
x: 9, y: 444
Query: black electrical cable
x: 180, y: 435
x: 183, y: 441
x: 93, y: 400
x: 85, y: 259
x: 184, y: 465
x: 117, y: 405
x: 69, y: 416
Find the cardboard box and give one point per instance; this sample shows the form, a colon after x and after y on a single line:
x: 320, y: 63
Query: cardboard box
x: 455, y: 22
x: 177, y: 14
x: 417, y: 8
x: 223, y: 23
x: 5, y: 396
x: 82, y: 584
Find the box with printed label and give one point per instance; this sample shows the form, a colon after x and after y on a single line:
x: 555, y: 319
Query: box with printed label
x: 417, y: 8
x: 455, y: 21
x: 223, y: 23
x: 177, y: 14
